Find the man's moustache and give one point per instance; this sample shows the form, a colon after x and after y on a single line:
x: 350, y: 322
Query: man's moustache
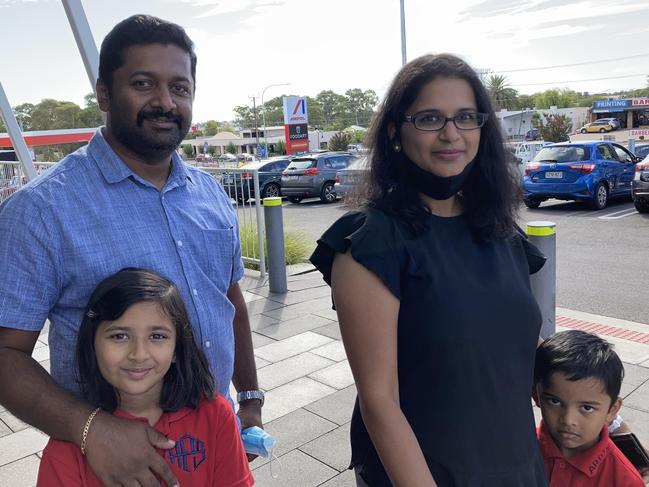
x: 169, y: 117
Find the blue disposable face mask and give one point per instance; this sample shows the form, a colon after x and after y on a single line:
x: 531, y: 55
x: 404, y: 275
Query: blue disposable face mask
x: 437, y: 187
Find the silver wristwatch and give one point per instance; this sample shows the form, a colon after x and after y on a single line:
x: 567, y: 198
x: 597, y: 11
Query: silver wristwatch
x: 254, y: 394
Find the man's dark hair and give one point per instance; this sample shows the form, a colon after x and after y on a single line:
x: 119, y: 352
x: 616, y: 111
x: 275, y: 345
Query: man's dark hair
x: 187, y: 381
x: 491, y: 194
x: 579, y: 355
x: 140, y: 30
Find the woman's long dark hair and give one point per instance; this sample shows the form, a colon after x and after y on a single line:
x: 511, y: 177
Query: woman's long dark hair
x: 491, y: 194
x: 187, y: 381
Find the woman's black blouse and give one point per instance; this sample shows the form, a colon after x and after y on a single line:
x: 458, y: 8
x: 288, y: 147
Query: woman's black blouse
x: 467, y: 333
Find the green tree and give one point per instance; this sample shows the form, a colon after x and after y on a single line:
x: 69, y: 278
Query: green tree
x: 339, y: 141
x: 557, y: 128
x: 188, y: 150
x: 280, y: 148
x: 211, y: 127
x: 23, y: 114
x: 331, y: 104
x: 211, y: 150
x: 244, y: 116
x: 227, y: 127
x: 91, y: 114
x: 231, y: 148
x: 502, y: 95
x: 3, y: 128
x: 361, y: 105
x: 560, y: 98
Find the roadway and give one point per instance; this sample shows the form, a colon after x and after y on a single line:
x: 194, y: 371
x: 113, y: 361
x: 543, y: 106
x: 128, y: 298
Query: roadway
x: 602, y: 256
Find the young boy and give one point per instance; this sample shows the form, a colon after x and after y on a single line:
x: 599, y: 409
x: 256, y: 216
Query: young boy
x: 577, y: 381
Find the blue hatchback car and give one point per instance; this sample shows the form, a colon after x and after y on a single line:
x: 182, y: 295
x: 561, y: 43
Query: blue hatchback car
x: 590, y: 171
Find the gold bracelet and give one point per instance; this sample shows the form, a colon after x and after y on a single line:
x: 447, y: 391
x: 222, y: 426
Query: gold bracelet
x: 86, y: 428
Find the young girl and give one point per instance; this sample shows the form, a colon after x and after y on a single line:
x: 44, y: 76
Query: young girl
x: 137, y: 359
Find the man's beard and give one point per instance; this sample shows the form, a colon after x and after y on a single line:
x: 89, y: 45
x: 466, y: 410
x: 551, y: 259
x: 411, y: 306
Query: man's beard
x: 150, y: 143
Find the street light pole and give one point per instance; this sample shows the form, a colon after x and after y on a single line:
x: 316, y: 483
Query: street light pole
x: 263, y: 111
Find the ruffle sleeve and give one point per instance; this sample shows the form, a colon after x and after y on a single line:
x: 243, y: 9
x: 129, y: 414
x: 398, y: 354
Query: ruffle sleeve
x: 375, y: 244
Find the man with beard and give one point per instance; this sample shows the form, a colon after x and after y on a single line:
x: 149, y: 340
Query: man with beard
x: 124, y: 200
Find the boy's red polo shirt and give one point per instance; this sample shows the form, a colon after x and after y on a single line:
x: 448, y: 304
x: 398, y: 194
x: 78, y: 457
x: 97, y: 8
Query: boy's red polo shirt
x: 208, y: 451
x: 603, y: 465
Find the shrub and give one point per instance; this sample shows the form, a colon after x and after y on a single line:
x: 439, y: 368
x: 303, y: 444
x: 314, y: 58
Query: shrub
x: 297, y: 245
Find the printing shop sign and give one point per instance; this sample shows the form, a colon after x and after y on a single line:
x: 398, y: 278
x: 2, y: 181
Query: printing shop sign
x: 296, y: 119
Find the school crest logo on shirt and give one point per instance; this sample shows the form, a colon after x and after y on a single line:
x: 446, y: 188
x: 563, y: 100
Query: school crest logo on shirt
x: 188, y: 453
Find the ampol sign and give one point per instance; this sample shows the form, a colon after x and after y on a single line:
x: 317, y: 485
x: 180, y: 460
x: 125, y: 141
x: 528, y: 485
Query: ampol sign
x: 296, y: 119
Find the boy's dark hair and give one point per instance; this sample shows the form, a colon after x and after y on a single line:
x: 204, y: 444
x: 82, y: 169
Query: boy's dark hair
x: 491, y: 193
x: 579, y: 355
x: 140, y: 30
x: 187, y: 381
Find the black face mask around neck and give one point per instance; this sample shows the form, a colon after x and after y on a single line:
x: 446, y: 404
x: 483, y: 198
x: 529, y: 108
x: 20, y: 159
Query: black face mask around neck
x: 437, y: 187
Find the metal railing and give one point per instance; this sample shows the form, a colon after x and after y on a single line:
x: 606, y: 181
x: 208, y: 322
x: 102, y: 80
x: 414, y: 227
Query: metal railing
x: 12, y: 176
x: 242, y: 185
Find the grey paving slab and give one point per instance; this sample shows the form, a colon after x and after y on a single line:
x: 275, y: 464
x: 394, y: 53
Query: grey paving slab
x: 12, y: 421
x: 337, y: 407
x: 4, y: 430
x: 283, y: 349
x: 260, y: 321
x: 332, y: 330
x: 635, y: 374
x: 292, y: 396
x: 626, y: 389
x: 41, y: 353
x: 262, y: 306
x: 345, y: 479
x: 21, y: 473
x: 638, y: 422
x: 249, y: 297
x: 298, y: 470
x: 21, y: 444
x: 332, y: 449
x: 308, y: 294
x: 337, y: 376
x: 292, y: 327
x: 294, y: 430
x: 44, y: 338
x: 333, y: 351
x: 261, y: 363
x: 46, y: 365
x: 259, y: 341
x: 294, y: 310
x: 645, y: 364
x: 327, y: 313
x: 639, y: 399
x: 288, y: 370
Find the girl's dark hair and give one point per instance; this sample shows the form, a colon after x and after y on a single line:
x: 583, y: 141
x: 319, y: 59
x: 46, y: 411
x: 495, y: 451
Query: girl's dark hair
x: 139, y: 30
x: 579, y: 355
x: 187, y: 381
x: 491, y: 194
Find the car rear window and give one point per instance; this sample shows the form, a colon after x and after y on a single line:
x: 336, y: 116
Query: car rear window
x: 563, y: 154
x: 301, y: 164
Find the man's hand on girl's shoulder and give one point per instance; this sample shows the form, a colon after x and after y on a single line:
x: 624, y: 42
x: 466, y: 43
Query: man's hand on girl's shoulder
x: 123, y: 452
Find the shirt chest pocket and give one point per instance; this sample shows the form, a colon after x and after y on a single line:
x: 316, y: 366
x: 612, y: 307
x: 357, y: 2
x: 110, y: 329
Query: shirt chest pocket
x: 218, y: 252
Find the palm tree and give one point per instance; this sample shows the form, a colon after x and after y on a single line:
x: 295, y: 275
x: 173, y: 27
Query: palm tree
x: 501, y: 93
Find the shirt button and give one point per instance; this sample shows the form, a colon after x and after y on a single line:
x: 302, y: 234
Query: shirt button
x: 207, y: 344
x: 195, y: 292
x: 180, y: 243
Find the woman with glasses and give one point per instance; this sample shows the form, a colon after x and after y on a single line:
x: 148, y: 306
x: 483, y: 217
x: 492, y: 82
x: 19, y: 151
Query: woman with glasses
x: 430, y: 280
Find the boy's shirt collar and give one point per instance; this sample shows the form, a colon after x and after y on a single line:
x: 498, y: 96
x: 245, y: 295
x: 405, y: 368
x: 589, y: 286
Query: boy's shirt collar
x: 588, y: 462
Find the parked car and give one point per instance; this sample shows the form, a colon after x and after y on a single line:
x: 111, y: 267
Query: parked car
x: 533, y: 134
x: 348, y: 179
x: 640, y: 186
x: 613, y: 122
x: 239, y: 185
x: 590, y: 171
x: 597, y: 126
x: 227, y: 157
x: 314, y: 176
x: 204, y: 158
x: 641, y: 150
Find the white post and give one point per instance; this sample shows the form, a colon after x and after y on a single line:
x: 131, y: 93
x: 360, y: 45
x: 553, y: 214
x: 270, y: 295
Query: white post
x: 403, y: 33
x: 16, y: 136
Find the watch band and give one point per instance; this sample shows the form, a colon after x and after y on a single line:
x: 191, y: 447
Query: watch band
x: 253, y: 394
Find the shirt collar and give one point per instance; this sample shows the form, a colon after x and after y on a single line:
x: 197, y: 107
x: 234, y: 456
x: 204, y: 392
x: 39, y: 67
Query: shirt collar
x: 588, y: 462
x: 115, y: 170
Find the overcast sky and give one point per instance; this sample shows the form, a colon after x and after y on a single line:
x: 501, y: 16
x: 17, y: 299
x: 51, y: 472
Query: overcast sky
x: 245, y: 45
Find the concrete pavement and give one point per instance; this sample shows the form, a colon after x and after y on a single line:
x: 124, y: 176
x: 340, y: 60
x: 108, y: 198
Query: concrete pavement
x: 310, y: 393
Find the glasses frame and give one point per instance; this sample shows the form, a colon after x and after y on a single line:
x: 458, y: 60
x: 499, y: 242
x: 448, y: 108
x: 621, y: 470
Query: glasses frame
x: 413, y: 118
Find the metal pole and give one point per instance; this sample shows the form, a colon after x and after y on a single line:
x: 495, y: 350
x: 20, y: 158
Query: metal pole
x: 543, y: 235
x: 403, y: 32
x: 16, y: 136
x: 631, y: 145
x: 254, y: 111
x: 85, y: 42
x: 275, y: 239
x: 260, y: 233
x: 263, y: 113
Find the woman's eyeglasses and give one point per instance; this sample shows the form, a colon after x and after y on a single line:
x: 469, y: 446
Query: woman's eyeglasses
x: 434, y: 121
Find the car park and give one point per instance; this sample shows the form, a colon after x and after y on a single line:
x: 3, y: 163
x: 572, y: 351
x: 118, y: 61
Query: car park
x: 600, y: 126
x: 640, y: 186
x: 239, y: 185
x: 314, y: 175
x: 589, y: 171
x: 349, y: 179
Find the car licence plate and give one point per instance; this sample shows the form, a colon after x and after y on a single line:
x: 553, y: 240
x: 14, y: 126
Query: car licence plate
x: 554, y: 175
